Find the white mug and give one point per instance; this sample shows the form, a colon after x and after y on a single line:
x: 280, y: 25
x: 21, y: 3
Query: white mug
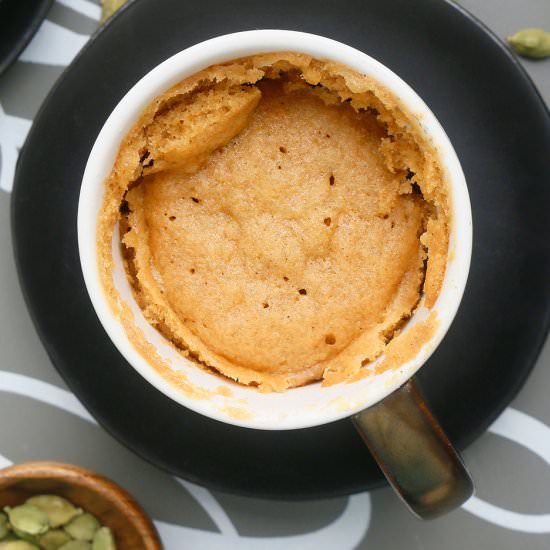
x: 313, y: 404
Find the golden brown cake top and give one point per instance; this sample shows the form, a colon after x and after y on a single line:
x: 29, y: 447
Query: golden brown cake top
x: 278, y: 213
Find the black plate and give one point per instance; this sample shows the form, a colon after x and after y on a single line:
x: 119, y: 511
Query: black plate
x: 501, y: 131
x: 18, y: 23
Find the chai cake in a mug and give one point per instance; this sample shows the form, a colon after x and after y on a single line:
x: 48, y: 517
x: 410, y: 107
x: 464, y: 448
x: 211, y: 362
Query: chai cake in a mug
x: 281, y: 217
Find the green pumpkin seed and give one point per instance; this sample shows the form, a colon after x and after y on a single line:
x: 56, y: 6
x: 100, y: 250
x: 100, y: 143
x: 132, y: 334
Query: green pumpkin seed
x: 4, y: 531
x: 103, y: 540
x: 28, y: 519
x: 27, y: 527
x: 17, y: 545
x: 109, y: 7
x: 21, y: 535
x: 59, y: 510
x: 76, y: 545
x: 533, y: 43
x: 54, y: 539
x: 83, y: 527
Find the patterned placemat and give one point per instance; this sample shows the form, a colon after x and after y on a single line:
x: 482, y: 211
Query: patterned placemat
x: 41, y: 419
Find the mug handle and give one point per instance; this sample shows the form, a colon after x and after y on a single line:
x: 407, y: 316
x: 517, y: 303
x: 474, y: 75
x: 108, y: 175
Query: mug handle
x: 414, y: 453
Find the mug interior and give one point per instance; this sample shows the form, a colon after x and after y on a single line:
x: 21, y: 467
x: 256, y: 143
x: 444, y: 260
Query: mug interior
x: 214, y: 395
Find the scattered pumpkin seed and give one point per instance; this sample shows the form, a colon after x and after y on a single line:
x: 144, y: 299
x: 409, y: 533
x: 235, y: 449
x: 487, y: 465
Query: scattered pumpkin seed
x: 533, y: 43
x: 83, y: 527
x: 21, y: 535
x: 103, y: 540
x: 109, y: 7
x: 4, y: 531
x: 54, y: 539
x: 17, y: 545
x: 28, y: 519
x: 59, y: 510
x: 77, y: 545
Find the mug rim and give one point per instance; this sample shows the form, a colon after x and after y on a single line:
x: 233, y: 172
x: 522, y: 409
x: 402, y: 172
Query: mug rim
x: 233, y: 46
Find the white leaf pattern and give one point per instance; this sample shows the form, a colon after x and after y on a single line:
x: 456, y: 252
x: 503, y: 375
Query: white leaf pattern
x: 53, y: 45
x: 84, y: 7
x: 534, y: 436
x: 13, y: 132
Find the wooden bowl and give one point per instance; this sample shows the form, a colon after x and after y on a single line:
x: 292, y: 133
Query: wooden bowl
x: 111, y: 504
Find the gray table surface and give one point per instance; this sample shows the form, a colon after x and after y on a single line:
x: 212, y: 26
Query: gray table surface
x: 40, y: 419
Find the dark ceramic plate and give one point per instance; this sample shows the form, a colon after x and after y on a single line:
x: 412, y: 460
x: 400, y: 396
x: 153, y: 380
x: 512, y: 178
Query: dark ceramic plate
x: 19, y: 20
x: 501, y: 131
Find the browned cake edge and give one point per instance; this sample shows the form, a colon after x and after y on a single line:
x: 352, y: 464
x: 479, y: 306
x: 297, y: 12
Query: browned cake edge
x: 406, y: 149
